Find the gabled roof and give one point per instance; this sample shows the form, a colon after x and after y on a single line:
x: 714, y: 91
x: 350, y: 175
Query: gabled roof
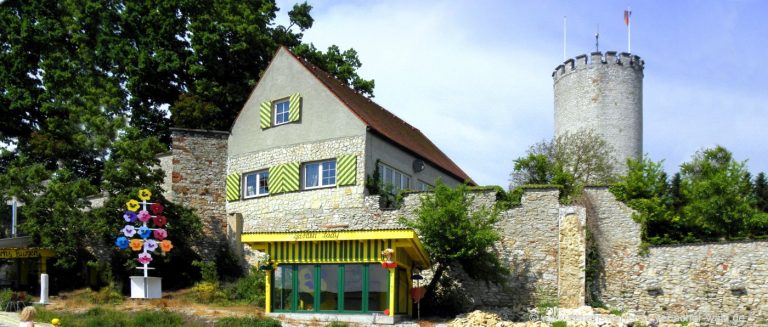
x: 385, y: 123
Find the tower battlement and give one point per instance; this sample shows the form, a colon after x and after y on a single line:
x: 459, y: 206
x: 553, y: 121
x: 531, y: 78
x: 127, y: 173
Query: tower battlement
x: 583, y: 61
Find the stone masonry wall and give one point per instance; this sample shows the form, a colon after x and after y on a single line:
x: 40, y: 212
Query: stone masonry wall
x: 529, y: 245
x: 197, y: 181
x: 723, y: 284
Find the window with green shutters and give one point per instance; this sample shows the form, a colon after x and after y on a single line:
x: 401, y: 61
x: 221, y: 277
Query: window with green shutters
x: 273, y: 113
x: 284, y: 178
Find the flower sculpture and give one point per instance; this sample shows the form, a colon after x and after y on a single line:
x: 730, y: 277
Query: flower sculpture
x: 132, y: 205
x: 160, y: 221
x: 144, y: 220
x: 388, y: 263
x: 129, y: 216
x: 144, y: 216
x: 128, y: 231
x: 122, y: 242
x: 145, y: 258
x: 156, y: 208
x: 160, y: 234
x: 136, y: 244
x: 144, y: 195
x: 166, y: 245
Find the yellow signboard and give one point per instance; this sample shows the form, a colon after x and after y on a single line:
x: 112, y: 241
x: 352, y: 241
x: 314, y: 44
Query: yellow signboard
x: 14, y: 253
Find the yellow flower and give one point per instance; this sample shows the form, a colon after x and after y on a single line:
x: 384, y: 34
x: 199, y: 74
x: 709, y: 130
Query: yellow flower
x: 132, y: 205
x: 145, y: 194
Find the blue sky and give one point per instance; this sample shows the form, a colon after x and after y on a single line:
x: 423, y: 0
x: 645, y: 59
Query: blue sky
x: 475, y: 76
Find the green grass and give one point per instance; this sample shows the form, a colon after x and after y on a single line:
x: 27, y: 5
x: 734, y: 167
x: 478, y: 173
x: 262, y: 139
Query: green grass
x: 98, y: 317
x: 247, y: 322
x: 559, y: 324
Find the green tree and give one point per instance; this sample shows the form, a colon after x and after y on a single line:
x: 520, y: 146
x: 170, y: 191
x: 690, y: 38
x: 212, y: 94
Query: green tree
x: 455, y: 234
x: 761, y: 192
x: 718, y: 193
x: 571, y: 160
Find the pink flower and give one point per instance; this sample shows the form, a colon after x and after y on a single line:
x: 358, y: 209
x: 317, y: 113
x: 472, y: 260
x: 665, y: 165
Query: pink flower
x: 144, y: 216
x: 145, y: 258
x: 160, y: 234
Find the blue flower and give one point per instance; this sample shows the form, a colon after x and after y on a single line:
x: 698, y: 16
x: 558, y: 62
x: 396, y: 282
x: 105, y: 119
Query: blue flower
x: 129, y: 216
x: 122, y: 242
x: 144, y: 232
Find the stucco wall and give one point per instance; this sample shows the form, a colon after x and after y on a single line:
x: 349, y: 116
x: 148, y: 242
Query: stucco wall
x: 396, y: 157
x: 323, y: 116
x: 603, y: 94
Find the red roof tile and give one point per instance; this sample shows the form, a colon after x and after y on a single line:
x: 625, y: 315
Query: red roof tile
x: 387, y: 124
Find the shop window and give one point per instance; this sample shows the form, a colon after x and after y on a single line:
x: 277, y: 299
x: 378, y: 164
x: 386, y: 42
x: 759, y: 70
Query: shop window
x: 282, y: 291
x: 306, y: 277
x: 329, y: 287
x: 378, y: 285
x: 353, y: 287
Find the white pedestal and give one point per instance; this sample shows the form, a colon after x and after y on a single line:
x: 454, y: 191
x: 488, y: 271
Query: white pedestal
x: 146, y: 287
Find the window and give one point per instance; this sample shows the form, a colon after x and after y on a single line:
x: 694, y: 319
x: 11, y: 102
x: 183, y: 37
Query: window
x: 422, y: 186
x: 396, y: 179
x: 256, y: 184
x: 319, y: 174
x: 281, y: 111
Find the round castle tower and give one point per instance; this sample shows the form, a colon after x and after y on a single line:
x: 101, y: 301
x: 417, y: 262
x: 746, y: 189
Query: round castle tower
x: 605, y: 94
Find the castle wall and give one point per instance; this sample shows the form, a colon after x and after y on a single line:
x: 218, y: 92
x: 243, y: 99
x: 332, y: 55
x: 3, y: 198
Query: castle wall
x: 604, y: 94
x: 197, y: 181
x: 721, y: 284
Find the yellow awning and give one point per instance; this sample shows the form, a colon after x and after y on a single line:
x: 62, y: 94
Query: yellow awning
x: 340, y: 246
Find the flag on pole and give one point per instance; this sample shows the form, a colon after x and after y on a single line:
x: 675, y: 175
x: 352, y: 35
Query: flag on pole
x: 627, y: 13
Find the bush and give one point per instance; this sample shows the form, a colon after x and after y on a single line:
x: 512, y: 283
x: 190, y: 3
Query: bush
x: 207, y: 292
x: 559, y: 323
x: 248, y: 322
x: 248, y: 289
x: 107, y: 295
x: 208, y: 271
x: 5, y: 297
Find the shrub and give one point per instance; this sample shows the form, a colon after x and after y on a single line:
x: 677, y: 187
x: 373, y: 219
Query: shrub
x: 248, y: 322
x: 207, y: 292
x: 208, y: 271
x: 107, y: 295
x: 249, y: 289
x: 559, y: 323
x: 5, y: 297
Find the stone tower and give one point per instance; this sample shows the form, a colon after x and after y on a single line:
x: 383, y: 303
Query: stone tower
x: 605, y: 94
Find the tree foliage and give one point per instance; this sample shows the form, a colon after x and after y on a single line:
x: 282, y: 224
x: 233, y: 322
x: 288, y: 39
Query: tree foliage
x: 711, y: 198
x: 455, y: 233
x: 571, y: 160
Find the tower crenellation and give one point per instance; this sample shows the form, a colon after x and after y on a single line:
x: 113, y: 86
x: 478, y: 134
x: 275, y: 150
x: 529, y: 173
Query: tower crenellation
x: 602, y: 92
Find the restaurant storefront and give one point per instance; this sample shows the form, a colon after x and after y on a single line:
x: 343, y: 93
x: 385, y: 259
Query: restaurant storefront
x: 340, y: 272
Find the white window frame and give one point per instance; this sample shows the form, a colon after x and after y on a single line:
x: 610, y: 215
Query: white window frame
x: 404, y: 180
x: 257, y: 190
x: 321, y: 174
x: 275, y: 108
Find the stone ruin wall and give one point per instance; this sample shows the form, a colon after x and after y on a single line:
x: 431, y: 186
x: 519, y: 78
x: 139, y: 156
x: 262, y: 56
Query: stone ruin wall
x: 198, y: 181
x: 716, y: 284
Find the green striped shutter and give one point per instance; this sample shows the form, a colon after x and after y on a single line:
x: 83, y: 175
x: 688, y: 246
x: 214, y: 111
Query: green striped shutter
x: 284, y: 178
x: 294, y: 107
x: 265, y: 116
x: 346, y: 170
x: 233, y: 187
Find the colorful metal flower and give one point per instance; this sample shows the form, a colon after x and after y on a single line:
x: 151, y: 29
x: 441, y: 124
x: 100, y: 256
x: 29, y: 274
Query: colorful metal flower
x: 160, y: 234
x: 166, y: 246
x: 132, y: 205
x: 129, y: 216
x: 144, y: 232
x: 156, y: 208
x: 145, y: 194
x: 136, y: 244
x: 145, y: 258
x: 144, y: 216
x: 160, y: 220
x: 129, y: 231
x: 150, y: 245
x: 122, y: 242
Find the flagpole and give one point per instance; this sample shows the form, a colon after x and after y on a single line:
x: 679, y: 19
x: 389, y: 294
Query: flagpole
x: 565, y: 36
x: 629, y: 31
